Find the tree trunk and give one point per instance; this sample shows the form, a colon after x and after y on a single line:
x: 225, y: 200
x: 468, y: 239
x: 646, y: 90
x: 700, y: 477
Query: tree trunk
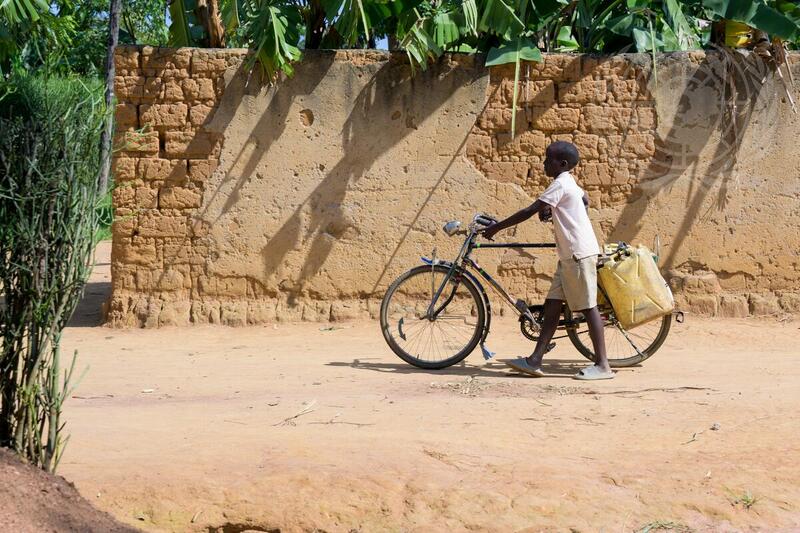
x: 315, y: 24
x: 108, y: 132
x: 207, y: 12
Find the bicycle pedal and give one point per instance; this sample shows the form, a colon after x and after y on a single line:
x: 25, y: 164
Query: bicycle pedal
x: 487, y: 354
x: 550, y: 347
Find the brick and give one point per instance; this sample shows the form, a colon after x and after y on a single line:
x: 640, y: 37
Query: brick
x: 170, y: 170
x: 616, y: 66
x: 179, y: 198
x: 165, y: 58
x: 134, y: 141
x: 191, y: 144
x: 620, y: 175
x: 582, y: 92
x: 126, y: 115
x: 597, y: 119
x: 142, y: 253
x: 157, y: 115
x: 223, y: 286
x: 733, y: 306
x: 530, y: 92
x: 205, y: 312
x: 702, y: 304
x: 123, y: 169
x: 261, y: 312
x: 200, y: 170
x: 587, y: 145
x: 162, y: 226
x: 128, y: 87
x: 629, y: 90
x: 790, y: 302
x: 123, y: 226
x: 525, y: 144
x: 153, y: 89
x: 698, y: 282
x: 479, y: 146
x: 562, y: 67
x: 176, y: 313
x: 200, y: 114
x: 123, y: 197
x: 215, y: 62
x: 500, y: 120
x: 592, y: 173
x: 170, y: 280
x: 191, y: 254
x: 233, y: 314
x: 631, y: 145
x: 763, y: 304
x: 532, y: 142
x: 554, y: 119
x: 199, y: 89
x: 135, y: 198
x: 145, y: 198
x: 126, y: 58
x: 173, y: 90
x: 167, y: 73
x: 647, y: 119
x: 506, y: 171
x: 346, y: 310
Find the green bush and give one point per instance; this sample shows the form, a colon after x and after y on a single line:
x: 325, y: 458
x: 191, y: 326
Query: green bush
x: 49, y: 162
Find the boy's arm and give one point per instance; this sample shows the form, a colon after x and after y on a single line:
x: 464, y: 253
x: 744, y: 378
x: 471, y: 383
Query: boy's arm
x: 586, y: 200
x: 520, y: 216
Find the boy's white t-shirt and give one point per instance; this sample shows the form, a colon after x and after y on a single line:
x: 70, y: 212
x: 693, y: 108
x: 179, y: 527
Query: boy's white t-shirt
x: 574, y: 233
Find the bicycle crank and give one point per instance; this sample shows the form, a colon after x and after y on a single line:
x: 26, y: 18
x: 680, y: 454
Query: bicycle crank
x: 531, y: 328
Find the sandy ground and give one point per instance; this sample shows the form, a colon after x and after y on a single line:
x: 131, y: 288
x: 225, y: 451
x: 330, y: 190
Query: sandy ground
x: 192, y: 430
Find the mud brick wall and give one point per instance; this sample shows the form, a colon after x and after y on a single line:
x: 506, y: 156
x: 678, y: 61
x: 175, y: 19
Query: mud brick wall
x: 241, y: 203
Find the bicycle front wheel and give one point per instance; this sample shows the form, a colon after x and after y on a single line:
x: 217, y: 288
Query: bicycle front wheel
x: 648, y: 338
x: 439, y: 342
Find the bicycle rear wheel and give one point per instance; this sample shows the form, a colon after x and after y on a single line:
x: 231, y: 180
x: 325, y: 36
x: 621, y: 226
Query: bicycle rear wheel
x: 450, y: 336
x: 647, y: 337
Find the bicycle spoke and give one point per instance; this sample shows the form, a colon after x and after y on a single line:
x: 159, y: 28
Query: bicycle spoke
x: 453, y: 329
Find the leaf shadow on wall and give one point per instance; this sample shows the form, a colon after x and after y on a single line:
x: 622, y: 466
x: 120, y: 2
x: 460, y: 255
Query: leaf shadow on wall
x: 369, y: 131
x: 717, y: 104
x: 246, y: 83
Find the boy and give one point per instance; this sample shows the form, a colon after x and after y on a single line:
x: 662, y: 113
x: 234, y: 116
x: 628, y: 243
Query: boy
x: 575, y: 279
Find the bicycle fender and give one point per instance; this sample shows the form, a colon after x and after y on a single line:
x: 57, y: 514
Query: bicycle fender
x: 431, y: 262
x: 486, y: 302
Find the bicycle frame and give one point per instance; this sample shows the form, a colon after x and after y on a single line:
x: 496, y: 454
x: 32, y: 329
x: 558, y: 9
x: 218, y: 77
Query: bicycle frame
x: 462, y: 265
x: 463, y: 261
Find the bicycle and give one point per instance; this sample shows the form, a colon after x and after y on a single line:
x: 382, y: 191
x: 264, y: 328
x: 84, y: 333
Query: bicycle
x: 430, y: 334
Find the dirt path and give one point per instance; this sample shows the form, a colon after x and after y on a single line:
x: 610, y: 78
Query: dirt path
x: 192, y: 430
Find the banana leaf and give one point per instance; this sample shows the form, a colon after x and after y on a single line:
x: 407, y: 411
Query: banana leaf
x: 756, y: 14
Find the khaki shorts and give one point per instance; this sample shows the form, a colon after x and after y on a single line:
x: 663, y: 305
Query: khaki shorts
x: 576, y: 282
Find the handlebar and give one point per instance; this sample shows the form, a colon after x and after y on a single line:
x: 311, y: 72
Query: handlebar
x: 484, y: 220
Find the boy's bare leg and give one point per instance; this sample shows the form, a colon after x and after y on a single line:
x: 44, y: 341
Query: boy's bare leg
x: 552, y: 312
x: 598, y: 336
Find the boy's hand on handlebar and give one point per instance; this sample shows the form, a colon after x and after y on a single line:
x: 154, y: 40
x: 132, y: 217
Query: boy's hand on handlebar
x: 490, y: 232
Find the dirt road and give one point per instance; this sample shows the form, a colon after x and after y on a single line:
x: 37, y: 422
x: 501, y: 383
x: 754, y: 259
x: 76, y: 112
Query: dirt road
x: 300, y: 427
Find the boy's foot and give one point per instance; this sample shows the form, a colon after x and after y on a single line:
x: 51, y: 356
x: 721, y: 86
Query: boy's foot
x: 521, y: 364
x: 594, y: 372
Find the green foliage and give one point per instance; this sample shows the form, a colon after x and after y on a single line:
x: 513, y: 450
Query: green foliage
x: 69, y: 36
x: 49, y: 160
x: 274, y: 33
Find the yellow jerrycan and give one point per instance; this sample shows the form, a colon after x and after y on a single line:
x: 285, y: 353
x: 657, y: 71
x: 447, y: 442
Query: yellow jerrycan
x: 638, y: 293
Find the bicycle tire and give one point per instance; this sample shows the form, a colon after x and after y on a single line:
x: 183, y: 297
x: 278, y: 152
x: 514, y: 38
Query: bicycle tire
x: 588, y: 353
x: 421, y: 363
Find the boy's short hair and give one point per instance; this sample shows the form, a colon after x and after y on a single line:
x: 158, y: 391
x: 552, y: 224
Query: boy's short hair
x: 565, y: 151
